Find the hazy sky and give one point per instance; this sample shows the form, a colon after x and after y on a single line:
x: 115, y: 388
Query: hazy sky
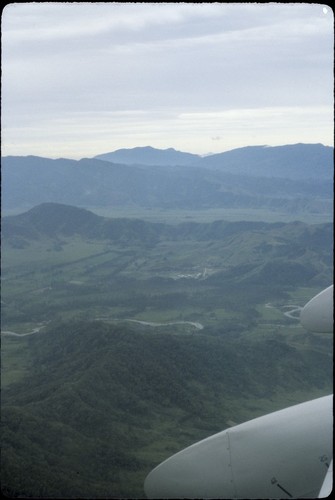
x: 79, y: 79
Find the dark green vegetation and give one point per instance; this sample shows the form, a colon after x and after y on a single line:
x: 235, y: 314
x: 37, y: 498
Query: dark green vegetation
x: 92, y: 401
x: 288, y: 179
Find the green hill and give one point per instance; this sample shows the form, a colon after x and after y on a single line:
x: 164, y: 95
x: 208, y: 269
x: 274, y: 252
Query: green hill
x: 103, y: 404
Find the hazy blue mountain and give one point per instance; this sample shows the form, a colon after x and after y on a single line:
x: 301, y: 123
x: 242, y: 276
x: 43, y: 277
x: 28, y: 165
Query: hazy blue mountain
x: 27, y: 181
x: 296, y: 161
x: 149, y: 156
x: 300, y: 180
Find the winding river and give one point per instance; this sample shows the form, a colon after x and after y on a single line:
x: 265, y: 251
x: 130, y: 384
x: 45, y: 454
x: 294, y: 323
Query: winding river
x: 293, y: 310
x: 293, y: 313
x: 197, y: 325
x: 15, y: 334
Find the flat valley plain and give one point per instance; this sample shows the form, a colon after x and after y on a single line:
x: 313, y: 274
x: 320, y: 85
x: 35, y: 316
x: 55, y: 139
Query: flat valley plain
x: 125, y: 340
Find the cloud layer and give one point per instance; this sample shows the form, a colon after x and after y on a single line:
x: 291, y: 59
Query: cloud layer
x: 84, y: 78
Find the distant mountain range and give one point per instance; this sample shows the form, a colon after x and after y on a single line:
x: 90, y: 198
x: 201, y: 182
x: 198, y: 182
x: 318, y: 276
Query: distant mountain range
x: 297, y: 161
x: 294, y: 161
x: 287, y: 178
x: 149, y: 156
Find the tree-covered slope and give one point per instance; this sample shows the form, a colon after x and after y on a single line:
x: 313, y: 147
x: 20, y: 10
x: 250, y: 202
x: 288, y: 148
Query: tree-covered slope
x: 99, y: 397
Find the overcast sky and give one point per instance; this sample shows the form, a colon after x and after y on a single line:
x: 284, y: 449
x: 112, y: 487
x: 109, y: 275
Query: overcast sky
x: 79, y: 79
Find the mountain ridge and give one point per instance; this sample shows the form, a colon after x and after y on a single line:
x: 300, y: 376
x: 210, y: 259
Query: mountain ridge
x: 148, y: 155
x: 232, y: 161
x: 290, y: 179
x: 296, y: 160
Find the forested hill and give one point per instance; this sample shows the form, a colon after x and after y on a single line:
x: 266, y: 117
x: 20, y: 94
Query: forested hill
x: 292, y: 179
x: 100, y: 400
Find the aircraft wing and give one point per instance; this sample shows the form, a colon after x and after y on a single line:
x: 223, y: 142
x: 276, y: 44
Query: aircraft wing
x: 327, y: 485
x: 280, y: 455
x: 285, y: 454
x: 318, y: 314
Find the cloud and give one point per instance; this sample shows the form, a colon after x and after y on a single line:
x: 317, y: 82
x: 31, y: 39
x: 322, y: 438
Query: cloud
x: 65, y: 62
x: 76, y: 135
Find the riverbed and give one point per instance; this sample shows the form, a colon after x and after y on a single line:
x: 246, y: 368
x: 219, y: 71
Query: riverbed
x: 16, y: 334
x: 196, y: 324
x: 293, y: 311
